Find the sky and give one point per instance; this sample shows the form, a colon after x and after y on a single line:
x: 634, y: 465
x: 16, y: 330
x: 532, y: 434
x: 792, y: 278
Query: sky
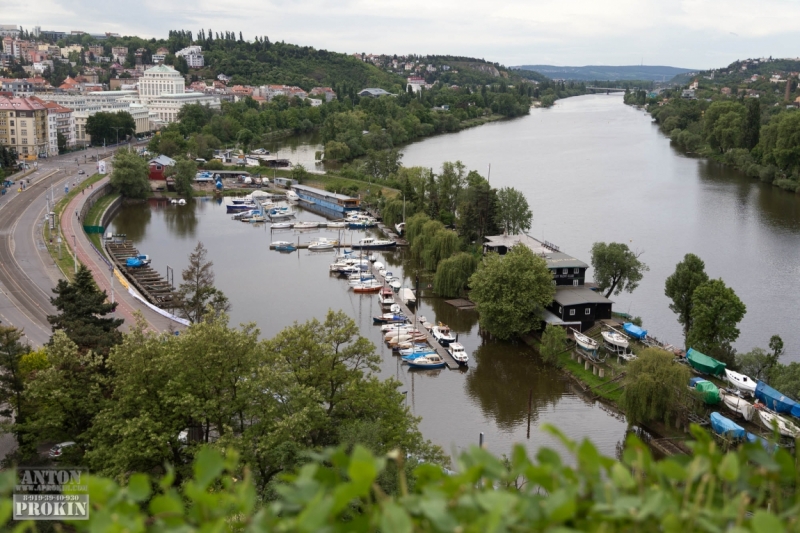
x: 696, y: 34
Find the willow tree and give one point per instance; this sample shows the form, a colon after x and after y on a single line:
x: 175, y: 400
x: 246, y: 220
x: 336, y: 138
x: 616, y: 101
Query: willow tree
x: 414, y: 226
x: 392, y: 212
x: 453, y: 274
x: 423, y: 238
x: 441, y: 245
x: 655, y: 387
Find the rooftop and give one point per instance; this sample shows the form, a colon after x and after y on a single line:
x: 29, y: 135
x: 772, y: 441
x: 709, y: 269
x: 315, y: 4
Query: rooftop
x: 566, y: 295
x: 162, y: 69
x: 322, y: 192
x: 554, y: 258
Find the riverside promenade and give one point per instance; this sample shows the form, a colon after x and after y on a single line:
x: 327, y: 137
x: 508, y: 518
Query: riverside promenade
x: 72, y: 225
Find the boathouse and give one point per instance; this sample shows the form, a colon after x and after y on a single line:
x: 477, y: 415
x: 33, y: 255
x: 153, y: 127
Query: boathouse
x: 574, y: 304
x: 158, y: 167
x: 328, y: 200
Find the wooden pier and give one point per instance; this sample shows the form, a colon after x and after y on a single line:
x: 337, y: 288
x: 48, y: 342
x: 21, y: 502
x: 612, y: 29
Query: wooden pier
x: 146, y: 280
x: 438, y: 348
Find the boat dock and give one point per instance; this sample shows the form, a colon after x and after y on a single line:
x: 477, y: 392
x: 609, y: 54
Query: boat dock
x: 146, y: 280
x: 444, y: 354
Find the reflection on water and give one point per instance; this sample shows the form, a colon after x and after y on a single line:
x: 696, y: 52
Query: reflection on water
x: 133, y: 222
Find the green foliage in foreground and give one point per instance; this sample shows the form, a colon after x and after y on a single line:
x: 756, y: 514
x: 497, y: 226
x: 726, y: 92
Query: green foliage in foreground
x: 742, y: 491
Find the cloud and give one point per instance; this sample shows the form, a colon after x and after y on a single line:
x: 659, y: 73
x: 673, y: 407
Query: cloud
x: 691, y: 33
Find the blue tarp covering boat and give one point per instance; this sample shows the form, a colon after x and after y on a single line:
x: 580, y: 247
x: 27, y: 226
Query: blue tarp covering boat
x: 133, y: 262
x: 695, y: 381
x: 776, y: 401
x: 634, y: 331
x: 726, y: 427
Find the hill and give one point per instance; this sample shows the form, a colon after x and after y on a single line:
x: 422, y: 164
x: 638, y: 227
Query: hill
x: 605, y: 72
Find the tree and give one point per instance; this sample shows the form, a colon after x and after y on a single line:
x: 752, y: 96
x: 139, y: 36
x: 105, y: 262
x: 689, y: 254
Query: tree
x: 680, y: 286
x: 786, y: 378
x: 62, y: 143
x: 513, y: 212
x: 197, y: 291
x: 453, y: 273
x: 757, y: 364
x: 752, y: 124
x: 13, y: 400
x: 130, y: 174
x: 185, y: 172
x: 510, y: 290
x: 616, y: 267
x: 102, y: 127
x: 554, y: 342
x: 478, y: 211
x: 716, y: 312
x: 299, y: 173
x: 655, y: 387
x: 82, y: 314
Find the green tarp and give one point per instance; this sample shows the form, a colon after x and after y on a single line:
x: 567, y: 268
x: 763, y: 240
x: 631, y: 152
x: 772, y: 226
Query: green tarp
x: 708, y: 391
x: 93, y: 229
x: 705, y: 364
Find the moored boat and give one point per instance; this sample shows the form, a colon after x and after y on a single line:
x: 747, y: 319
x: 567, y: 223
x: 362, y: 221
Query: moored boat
x: 286, y: 248
x: 387, y: 318
x: 634, y: 331
x: 291, y: 196
x: 418, y: 348
x: 740, y: 381
x: 373, y: 243
x: 282, y: 225
x: 275, y: 244
x: 417, y: 355
x: 336, y: 225
x: 368, y: 286
x: 442, y: 334
x: 775, y: 400
x: 458, y: 352
x: 372, y: 258
x: 400, y: 227
x: 395, y: 284
x: 307, y: 224
x: 768, y: 417
x: 705, y: 364
x: 427, y: 361
x: 322, y: 244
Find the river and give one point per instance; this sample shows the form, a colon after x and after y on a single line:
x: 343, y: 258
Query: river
x: 592, y: 169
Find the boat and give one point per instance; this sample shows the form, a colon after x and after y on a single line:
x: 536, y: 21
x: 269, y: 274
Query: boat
x: 428, y: 361
x: 387, y: 318
x: 235, y: 208
x: 306, y: 225
x: 616, y: 340
x: 584, y: 341
x: 286, y: 248
x: 442, y: 334
x: 707, y: 390
x: 458, y: 352
x: 382, y: 272
x: 411, y: 332
x: 740, y: 381
x: 395, y: 284
x: 418, y: 348
x: 368, y: 286
x: 275, y: 244
x: 385, y: 328
x: 427, y: 325
x: 705, y: 364
x: 282, y: 225
x: 404, y: 337
x: 417, y: 355
x: 387, y: 297
x: 372, y: 258
x: 322, y: 244
x: 181, y: 202
x: 775, y: 400
x: 372, y: 243
x: 422, y: 319
x: 378, y: 265
x: 767, y: 417
x: 256, y: 219
x: 395, y: 308
x: 738, y: 405
x: 400, y: 227
x: 407, y: 296
x: 726, y: 427
x: 246, y: 214
x: 634, y: 331
x: 291, y: 196
x: 359, y: 278
x: 361, y: 225
x: 336, y: 225
x: 277, y: 213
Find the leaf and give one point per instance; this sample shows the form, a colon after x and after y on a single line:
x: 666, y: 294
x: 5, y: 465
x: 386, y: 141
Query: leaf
x: 765, y: 522
x: 394, y: 519
x: 559, y: 506
x: 139, y: 487
x: 622, y: 477
x: 729, y: 467
x: 363, y: 467
x: 207, y: 466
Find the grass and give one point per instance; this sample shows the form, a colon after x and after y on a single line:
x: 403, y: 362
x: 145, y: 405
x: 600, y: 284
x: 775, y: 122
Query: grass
x: 94, y: 216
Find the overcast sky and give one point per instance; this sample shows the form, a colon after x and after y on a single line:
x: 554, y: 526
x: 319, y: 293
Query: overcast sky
x: 682, y: 33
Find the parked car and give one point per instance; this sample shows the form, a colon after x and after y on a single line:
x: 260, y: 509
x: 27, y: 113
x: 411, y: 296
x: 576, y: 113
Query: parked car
x: 58, y: 449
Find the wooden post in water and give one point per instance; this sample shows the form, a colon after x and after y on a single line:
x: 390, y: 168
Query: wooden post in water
x: 530, y: 399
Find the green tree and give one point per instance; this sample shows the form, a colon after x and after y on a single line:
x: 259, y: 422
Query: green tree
x: 197, y: 291
x: 62, y: 143
x: 752, y: 124
x: 13, y: 400
x: 478, y: 210
x: 83, y: 314
x: 453, y: 273
x: 786, y: 378
x: 680, y: 286
x: 513, y: 212
x: 299, y: 173
x: 716, y: 313
x: 510, y: 290
x: 757, y: 364
x: 655, y: 388
x: 336, y: 151
x: 102, y: 126
x: 616, y: 267
x: 554, y: 342
x: 130, y: 174
x: 723, y: 125
x: 185, y: 172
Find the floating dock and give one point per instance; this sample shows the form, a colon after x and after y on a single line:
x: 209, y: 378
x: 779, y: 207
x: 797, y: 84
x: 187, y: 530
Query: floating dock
x: 443, y: 353
x: 146, y: 280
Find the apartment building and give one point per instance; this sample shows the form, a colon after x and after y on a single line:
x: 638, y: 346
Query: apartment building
x: 24, y: 126
x: 193, y: 56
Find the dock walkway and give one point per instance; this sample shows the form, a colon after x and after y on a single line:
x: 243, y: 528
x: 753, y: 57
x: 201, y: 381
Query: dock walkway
x: 443, y: 353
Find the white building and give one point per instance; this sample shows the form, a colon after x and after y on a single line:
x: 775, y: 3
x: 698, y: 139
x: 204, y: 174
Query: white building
x: 166, y: 106
x: 9, y: 30
x: 193, y: 56
x: 161, y: 79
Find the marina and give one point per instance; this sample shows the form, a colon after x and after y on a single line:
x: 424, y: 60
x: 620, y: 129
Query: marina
x: 147, y: 281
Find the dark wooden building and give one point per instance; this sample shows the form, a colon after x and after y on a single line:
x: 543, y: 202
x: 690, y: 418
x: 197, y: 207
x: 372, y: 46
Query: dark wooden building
x: 580, y: 304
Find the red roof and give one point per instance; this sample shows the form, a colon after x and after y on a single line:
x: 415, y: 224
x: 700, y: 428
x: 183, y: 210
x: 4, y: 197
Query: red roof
x: 20, y: 104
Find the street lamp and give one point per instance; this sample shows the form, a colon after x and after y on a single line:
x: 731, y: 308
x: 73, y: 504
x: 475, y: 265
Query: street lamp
x: 117, y: 128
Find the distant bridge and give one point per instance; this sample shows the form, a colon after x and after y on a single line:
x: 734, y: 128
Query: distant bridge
x: 605, y: 89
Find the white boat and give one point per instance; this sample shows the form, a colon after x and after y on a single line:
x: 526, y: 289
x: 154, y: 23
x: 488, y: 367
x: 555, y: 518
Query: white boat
x: 379, y: 266
x: 373, y: 243
x: 740, y: 381
x: 181, y: 202
x: 395, y: 308
x: 306, y: 225
x: 785, y: 428
x: 422, y: 319
x: 336, y: 225
x: 427, y: 325
x: 411, y: 337
x: 281, y: 212
x: 395, y: 284
x: 372, y: 258
x: 281, y: 243
x: 322, y: 244
x: 737, y: 404
x: 385, y: 328
x: 382, y: 272
x: 427, y: 361
x: 282, y: 225
x: 387, y: 300
x: 389, y: 335
x: 615, y: 340
x: 457, y: 351
x: 292, y: 196
x: 442, y: 334
x: 585, y: 342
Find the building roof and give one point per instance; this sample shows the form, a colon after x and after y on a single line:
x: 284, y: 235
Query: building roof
x: 163, y: 160
x: 20, y: 104
x: 554, y: 257
x: 162, y: 69
x: 322, y: 192
x: 372, y: 91
x: 567, y: 295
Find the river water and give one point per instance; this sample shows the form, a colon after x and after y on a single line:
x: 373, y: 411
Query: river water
x: 592, y: 169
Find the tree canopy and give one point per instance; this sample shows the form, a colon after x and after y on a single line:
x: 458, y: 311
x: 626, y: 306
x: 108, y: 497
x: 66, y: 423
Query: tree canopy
x: 510, y: 290
x: 130, y: 174
x: 616, y: 267
x: 106, y: 128
x: 716, y: 313
x: 655, y: 387
x: 680, y: 286
x: 197, y: 291
x: 513, y: 212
